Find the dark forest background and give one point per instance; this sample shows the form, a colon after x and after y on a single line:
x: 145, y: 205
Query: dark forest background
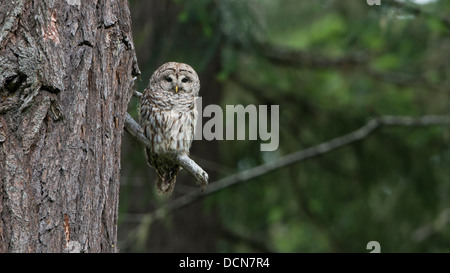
x: 331, y: 66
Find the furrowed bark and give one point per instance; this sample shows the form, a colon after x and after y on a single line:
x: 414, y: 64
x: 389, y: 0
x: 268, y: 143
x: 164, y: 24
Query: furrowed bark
x: 66, y: 68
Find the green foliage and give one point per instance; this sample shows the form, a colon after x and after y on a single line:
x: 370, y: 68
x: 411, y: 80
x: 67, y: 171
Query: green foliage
x: 393, y: 186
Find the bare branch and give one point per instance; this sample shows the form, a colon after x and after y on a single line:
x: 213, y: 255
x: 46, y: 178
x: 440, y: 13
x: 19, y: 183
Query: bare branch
x: 135, y: 130
x: 416, y: 10
x: 299, y: 156
x: 137, y: 94
x: 439, y: 224
x: 285, y: 161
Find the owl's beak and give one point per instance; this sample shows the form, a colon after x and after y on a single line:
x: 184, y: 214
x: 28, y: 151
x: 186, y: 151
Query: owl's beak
x: 176, y: 88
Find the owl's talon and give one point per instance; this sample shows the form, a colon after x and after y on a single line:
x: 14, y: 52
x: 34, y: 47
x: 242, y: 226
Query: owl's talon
x: 202, y: 181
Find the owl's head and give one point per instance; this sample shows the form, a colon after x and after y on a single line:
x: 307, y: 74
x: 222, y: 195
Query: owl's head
x: 178, y: 78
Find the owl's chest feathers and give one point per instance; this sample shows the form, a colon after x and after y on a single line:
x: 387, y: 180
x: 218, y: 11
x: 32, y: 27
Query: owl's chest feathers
x: 169, y: 101
x: 170, y: 127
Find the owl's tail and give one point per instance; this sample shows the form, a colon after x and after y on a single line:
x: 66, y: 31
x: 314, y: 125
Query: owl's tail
x: 165, y: 182
x: 166, y: 172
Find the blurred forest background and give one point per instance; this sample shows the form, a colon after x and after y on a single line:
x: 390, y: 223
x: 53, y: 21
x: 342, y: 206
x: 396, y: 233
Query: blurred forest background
x: 331, y: 66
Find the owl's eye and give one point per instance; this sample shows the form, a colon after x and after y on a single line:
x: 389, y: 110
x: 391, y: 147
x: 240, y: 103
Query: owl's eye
x: 169, y: 79
x: 185, y: 80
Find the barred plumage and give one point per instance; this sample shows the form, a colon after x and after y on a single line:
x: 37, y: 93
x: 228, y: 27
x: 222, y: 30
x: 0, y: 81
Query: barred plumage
x: 168, y: 116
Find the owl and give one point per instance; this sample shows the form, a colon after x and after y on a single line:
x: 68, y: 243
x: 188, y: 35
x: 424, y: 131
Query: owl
x: 168, y: 117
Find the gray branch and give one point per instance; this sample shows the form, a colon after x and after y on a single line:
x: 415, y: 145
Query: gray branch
x: 438, y: 225
x: 318, y: 150
x: 415, y: 10
x: 135, y: 130
x: 299, y: 156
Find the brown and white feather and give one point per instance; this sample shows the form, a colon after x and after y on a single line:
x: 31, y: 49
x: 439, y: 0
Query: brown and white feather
x: 168, y: 116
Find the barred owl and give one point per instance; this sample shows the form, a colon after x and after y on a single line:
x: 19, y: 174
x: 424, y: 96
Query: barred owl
x: 168, y: 116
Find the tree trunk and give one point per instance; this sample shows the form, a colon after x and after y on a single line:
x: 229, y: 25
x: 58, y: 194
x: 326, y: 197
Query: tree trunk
x: 66, y: 71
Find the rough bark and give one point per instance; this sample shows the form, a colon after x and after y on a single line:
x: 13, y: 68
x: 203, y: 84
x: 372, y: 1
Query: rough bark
x: 66, y: 71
